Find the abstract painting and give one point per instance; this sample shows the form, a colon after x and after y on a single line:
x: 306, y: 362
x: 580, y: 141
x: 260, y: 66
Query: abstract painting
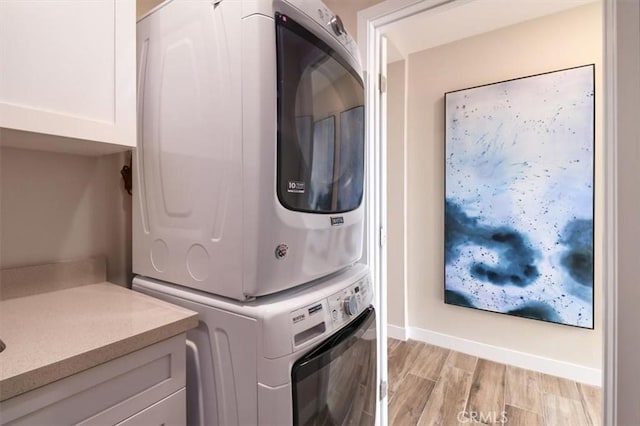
x: 519, y: 188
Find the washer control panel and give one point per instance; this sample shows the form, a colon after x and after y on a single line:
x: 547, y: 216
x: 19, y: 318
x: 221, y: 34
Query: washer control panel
x: 311, y: 321
x: 308, y: 322
x: 348, y: 303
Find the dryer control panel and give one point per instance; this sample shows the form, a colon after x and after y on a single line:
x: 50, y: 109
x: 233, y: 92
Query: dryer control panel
x: 348, y: 303
x: 318, y: 11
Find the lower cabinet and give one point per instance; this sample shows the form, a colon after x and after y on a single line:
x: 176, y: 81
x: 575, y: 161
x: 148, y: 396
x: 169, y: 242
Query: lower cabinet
x: 170, y: 411
x: 146, y: 387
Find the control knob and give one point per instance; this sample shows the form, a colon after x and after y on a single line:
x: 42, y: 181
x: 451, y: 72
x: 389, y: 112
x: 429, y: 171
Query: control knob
x: 337, y: 25
x: 350, y: 305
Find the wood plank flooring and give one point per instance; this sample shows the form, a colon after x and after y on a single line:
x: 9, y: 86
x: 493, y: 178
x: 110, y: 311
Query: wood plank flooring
x: 429, y: 385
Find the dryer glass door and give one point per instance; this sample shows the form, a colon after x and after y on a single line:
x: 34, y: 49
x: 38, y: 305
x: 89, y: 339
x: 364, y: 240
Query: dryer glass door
x: 335, y: 383
x: 320, y: 124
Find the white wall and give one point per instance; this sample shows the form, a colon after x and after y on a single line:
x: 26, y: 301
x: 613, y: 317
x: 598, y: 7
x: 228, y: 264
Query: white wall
x: 348, y: 11
x: 143, y: 6
x: 56, y: 207
x: 560, y: 41
x: 396, y: 278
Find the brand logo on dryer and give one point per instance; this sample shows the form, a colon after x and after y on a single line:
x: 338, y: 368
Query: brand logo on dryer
x: 338, y: 220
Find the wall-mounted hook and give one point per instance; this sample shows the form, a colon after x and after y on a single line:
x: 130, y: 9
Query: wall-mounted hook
x: 126, y: 173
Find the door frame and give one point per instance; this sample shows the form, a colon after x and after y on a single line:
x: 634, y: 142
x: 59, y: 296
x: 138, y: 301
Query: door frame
x: 376, y: 221
x: 371, y: 24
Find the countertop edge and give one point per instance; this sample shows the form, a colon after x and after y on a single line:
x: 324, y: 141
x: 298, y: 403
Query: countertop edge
x: 33, y: 379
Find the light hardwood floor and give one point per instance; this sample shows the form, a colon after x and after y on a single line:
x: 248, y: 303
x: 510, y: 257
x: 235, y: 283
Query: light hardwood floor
x: 429, y: 385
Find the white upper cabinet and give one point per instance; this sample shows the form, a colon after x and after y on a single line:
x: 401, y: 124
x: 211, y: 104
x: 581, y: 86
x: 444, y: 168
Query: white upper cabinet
x: 67, y: 75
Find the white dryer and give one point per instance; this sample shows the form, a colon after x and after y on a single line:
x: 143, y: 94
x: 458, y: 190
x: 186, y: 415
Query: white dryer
x: 249, y: 166
x: 304, y: 356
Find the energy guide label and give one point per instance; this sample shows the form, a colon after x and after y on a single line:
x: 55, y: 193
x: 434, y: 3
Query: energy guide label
x: 295, y: 187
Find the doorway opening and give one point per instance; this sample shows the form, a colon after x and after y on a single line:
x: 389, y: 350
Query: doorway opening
x: 411, y: 202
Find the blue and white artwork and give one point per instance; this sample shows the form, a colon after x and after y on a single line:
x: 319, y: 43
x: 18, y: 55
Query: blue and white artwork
x: 519, y: 197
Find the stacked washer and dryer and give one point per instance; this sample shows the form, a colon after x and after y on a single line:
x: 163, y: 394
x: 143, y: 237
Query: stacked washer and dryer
x: 248, y: 207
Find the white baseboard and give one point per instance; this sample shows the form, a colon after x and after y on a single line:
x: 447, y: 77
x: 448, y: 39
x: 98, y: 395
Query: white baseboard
x: 396, y: 332
x: 578, y: 373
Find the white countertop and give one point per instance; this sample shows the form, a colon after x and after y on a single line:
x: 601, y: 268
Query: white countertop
x: 53, y: 335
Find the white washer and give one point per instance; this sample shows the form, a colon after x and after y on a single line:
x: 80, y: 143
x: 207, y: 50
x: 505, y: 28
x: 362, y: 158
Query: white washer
x: 304, y: 356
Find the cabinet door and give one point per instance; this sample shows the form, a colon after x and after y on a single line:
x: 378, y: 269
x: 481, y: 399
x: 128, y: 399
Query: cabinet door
x: 108, y: 393
x: 171, y: 411
x: 67, y: 68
